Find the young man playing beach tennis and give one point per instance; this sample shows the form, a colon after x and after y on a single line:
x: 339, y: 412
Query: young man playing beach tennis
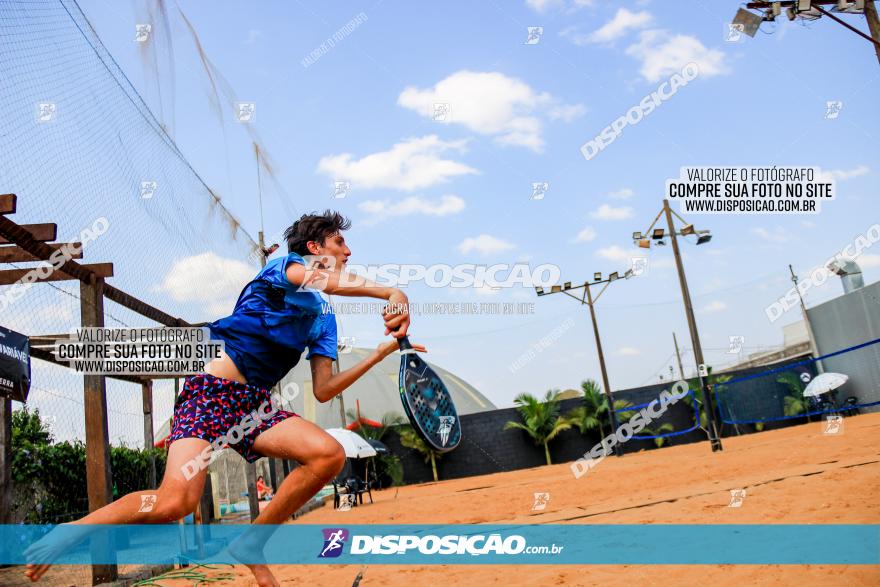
x: 274, y: 321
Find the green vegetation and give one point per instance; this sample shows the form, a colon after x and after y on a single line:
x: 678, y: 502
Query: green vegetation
x: 540, y: 419
x: 50, y: 477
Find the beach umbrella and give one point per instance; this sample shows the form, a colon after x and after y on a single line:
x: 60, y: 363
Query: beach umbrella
x: 824, y: 383
x: 355, y: 446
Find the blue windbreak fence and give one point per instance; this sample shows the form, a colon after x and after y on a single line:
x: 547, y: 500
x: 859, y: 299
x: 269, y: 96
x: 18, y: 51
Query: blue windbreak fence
x: 689, y: 400
x: 778, y: 394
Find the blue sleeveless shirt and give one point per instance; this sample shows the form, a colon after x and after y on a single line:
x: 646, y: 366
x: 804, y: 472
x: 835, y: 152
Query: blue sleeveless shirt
x: 273, y: 323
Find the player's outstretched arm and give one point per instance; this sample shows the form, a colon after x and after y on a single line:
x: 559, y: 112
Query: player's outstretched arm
x: 334, y: 282
x: 326, y: 385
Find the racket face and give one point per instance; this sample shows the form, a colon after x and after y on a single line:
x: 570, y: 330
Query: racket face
x: 428, y: 405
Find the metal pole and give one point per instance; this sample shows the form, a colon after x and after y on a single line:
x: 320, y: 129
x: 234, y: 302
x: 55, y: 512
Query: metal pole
x: 814, y: 348
x: 678, y: 356
x: 714, y: 437
x: 618, y: 448
x: 250, y: 469
x: 873, y: 24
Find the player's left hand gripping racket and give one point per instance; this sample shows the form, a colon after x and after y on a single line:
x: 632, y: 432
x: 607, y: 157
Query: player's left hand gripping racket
x: 426, y: 401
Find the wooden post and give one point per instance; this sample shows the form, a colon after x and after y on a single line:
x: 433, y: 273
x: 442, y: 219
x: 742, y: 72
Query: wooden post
x: 149, y: 438
x: 98, y: 476
x: 6, y: 461
x: 250, y: 474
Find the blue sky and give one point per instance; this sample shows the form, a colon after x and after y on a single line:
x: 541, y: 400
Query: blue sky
x: 519, y: 114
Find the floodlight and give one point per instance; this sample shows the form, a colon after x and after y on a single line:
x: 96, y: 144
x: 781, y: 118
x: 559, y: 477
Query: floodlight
x: 791, y: 13
x: 539, y: 291
x: 850, y: 7
x: 661, y: 243
x: 628, y: 274
x: 776, y: 7
x: 687, y: 229
x: 657, y: 234
x: 704, y: 238
x: 837, y: 268
x: 597, y: 276
x: 614, y: 276
x: 637, y: 236
x: 555, y: 289
x: 803, y: 5
x: 566, y: 285
x: 749, y: 21
x: 644, y: 244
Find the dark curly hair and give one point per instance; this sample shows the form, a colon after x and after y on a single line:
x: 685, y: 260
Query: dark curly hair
x: 314, y: 227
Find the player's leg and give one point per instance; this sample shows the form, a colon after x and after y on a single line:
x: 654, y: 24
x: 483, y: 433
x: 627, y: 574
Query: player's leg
x: 320, y: 456
x: 176, y: 497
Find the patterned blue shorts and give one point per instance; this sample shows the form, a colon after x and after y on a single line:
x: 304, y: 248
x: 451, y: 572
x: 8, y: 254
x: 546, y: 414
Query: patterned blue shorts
x: 210, y: 407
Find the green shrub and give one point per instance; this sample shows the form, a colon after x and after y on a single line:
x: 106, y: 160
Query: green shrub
x: 51, y: 477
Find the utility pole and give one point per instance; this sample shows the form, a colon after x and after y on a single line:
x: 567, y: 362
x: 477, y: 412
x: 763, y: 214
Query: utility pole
x: 678, y: 356
x: 814, y: 348
x: 618, y: 448
x: 714, y: 437
x: 588, y: 299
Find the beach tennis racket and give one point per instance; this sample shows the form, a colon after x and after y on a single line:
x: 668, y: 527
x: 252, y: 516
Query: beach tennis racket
x: 426, y: 401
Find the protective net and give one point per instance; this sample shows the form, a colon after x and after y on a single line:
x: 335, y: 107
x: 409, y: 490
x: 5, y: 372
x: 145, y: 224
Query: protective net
x: 77, y: 145
x: 798, y: 390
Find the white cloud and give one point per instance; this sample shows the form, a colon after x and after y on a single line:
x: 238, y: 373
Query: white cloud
x: 628, y: 351
x: 663, y: 54
x: 409, y: 165
x: 843, y: 174
x: 623, y: 22
x: 621, y: 194
x: 484, y: 244
x: 544, y: 6
x: 486, y: 290
x: 778, y: 235
x: 54, y: 316
x: 448, y: 204
x: 868, y: 260
x: 586, y: 235
x: 491, y: 103
x: 607, y: 212
x: 566, y: 112
x: 208, y: 279
x: 715, y: 306
x: 616, y: 253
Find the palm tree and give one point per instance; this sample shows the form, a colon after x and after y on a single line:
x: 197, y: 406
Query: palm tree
x: 794, y: 403
x: 411, y: 439
x: 593, y: 410
x: 541, y: 419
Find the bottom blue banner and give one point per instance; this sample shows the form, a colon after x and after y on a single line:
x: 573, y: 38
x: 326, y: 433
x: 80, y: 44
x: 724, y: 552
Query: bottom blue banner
x: 836, y: 544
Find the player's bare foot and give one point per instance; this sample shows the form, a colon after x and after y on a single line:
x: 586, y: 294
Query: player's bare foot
x: 49, y: 547
x: 249, y: 548
x: 264, y: 576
